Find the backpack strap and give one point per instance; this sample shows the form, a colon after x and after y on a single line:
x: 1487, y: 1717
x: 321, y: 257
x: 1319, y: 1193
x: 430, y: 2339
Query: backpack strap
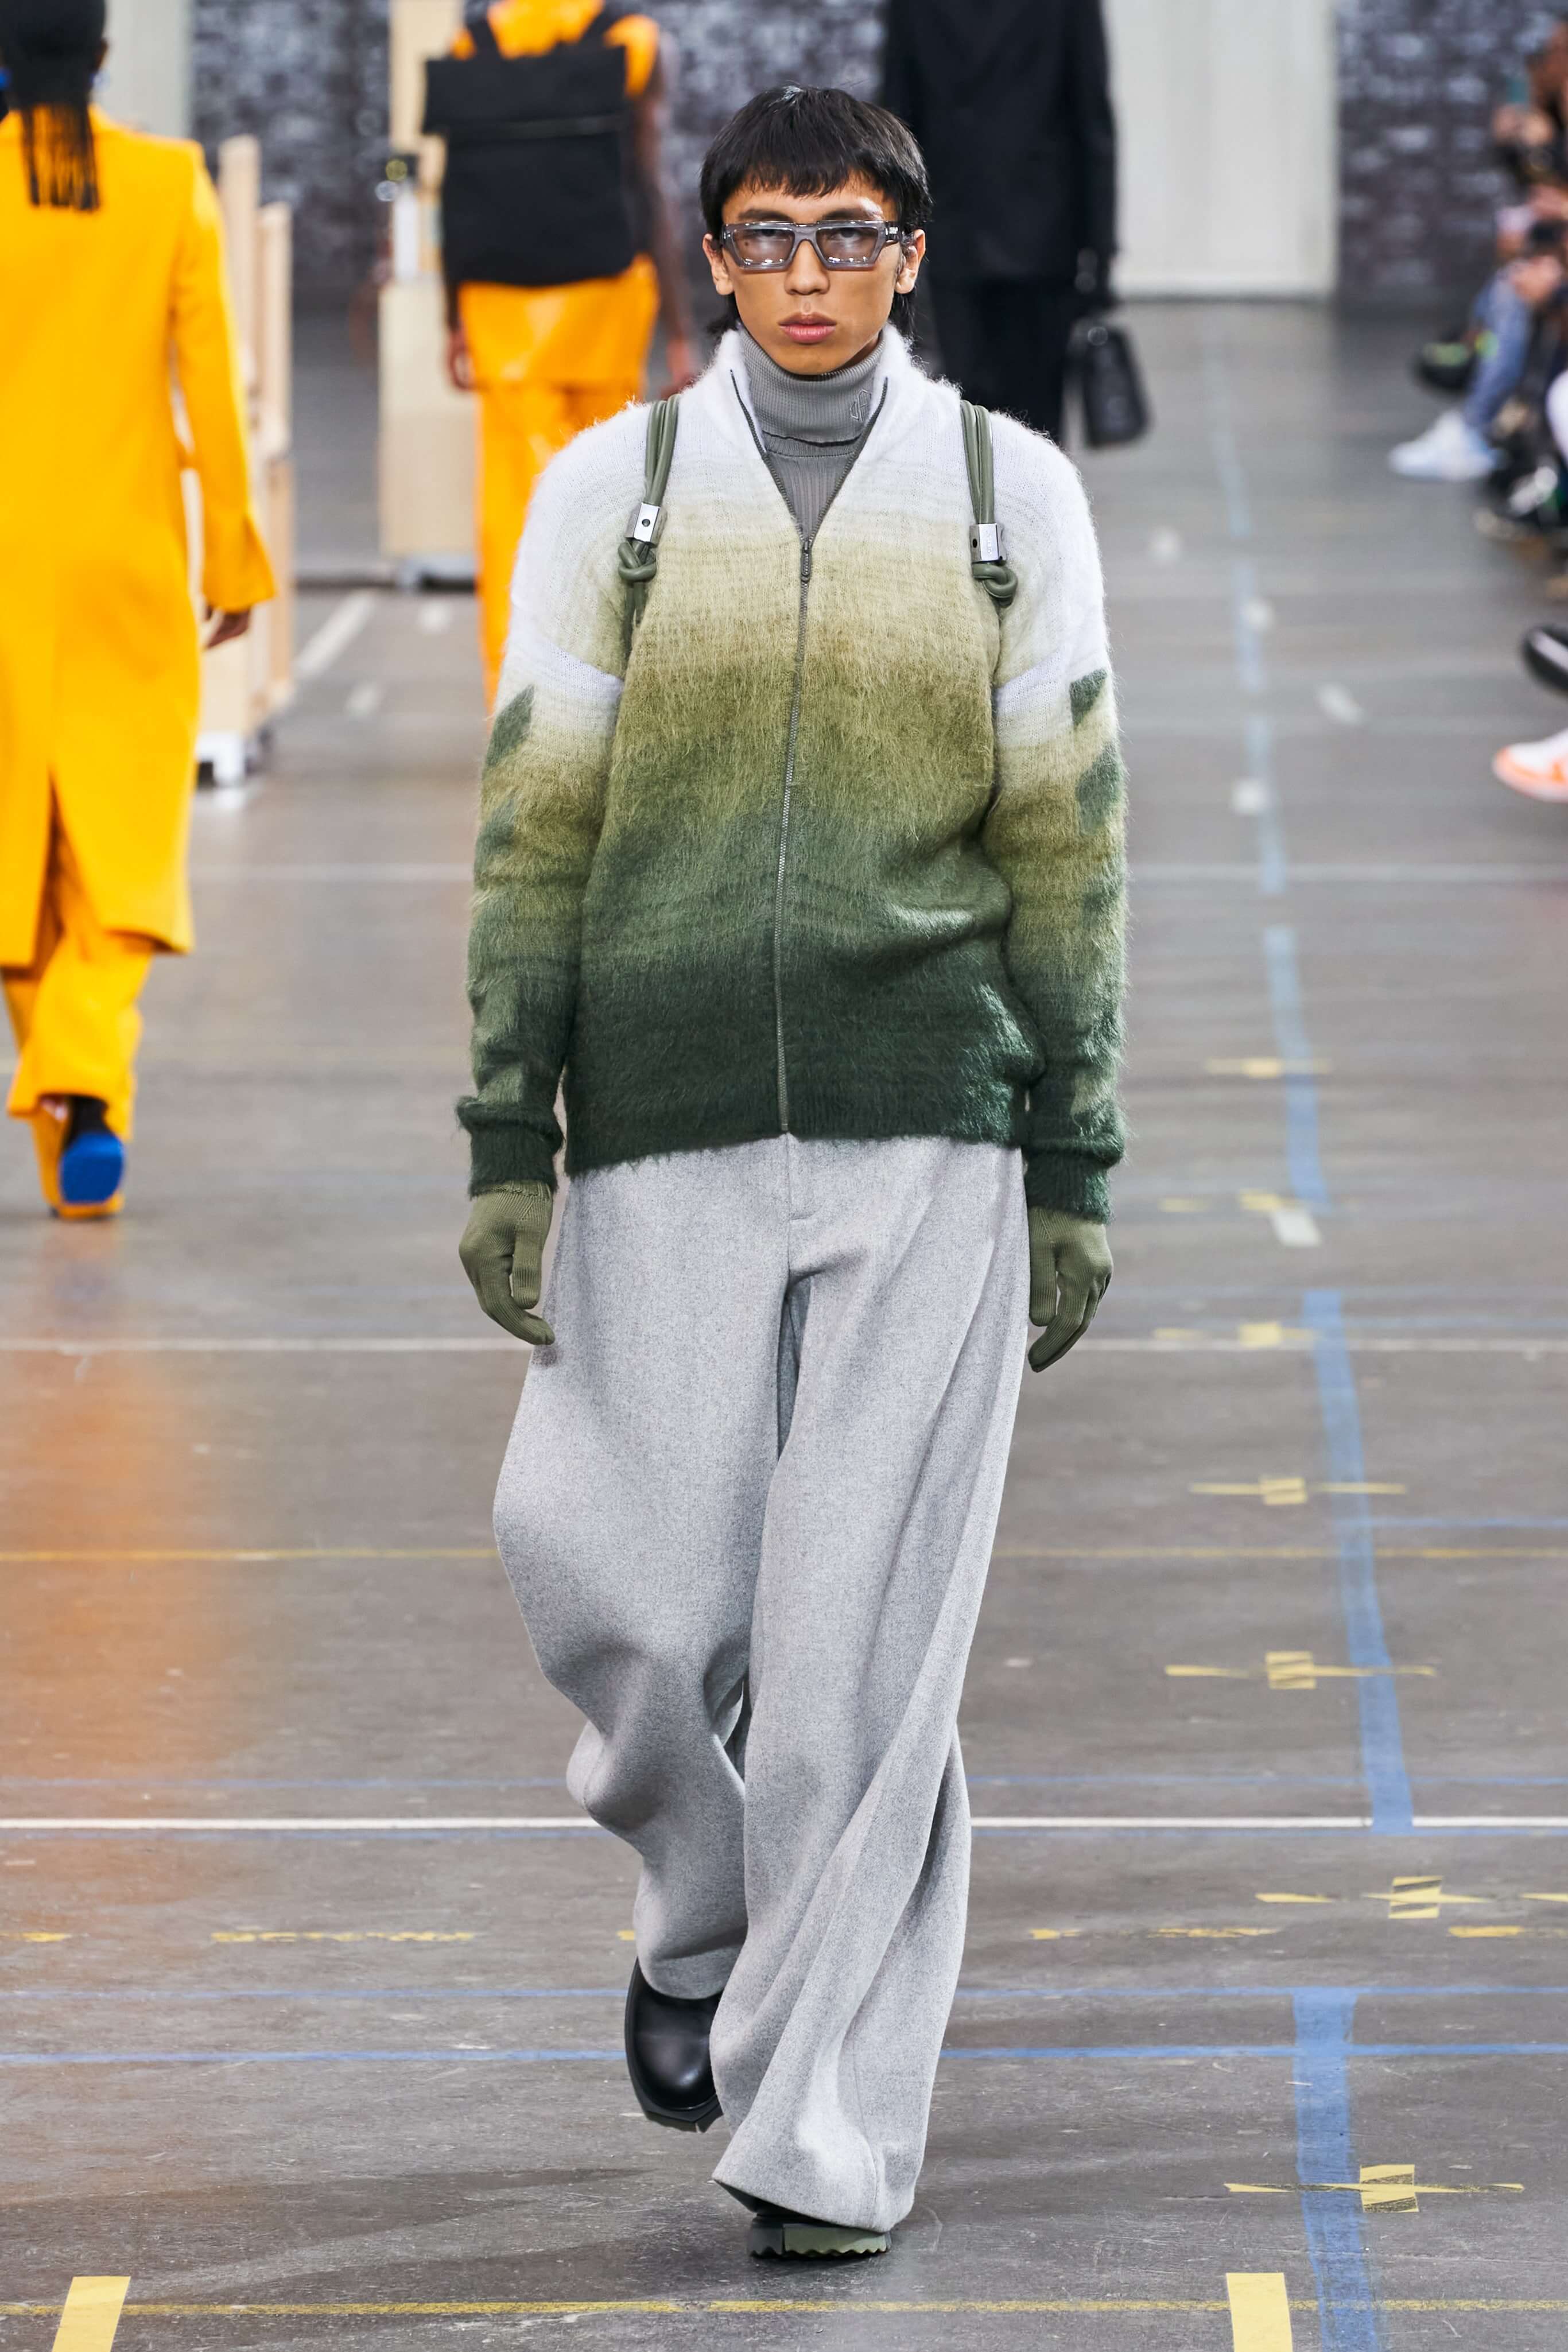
x: 638, y: 560
x: 987, y: 545
x: 480, y: 31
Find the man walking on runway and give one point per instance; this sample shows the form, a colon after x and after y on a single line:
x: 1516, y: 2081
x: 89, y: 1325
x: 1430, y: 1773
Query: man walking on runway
x: 801, y: 855
x: 557, y: 248
x: 1010, y: 101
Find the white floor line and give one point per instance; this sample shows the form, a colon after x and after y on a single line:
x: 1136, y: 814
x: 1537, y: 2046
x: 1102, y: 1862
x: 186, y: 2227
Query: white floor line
x: 1249, y: 797
x: 479, y: 1343
x: 1296, y: 1227
x: 340, y: 629
x: 1491, y: 1821
x: 1171, y: 1822
x: 365, y: 700
x: 435, y: 617
x: 1383, y: 876
x: 165, y: 1824
x: 431, y: 873
x: 1247, y: 874
x: 115, y: 1823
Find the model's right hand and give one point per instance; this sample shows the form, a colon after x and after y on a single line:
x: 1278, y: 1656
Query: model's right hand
x: 459, y: 361
x: 503, y: 1254
x: 1069, y: 1272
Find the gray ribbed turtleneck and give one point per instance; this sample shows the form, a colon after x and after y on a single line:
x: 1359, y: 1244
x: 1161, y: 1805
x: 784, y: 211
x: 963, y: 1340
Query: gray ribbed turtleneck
x: 812, y: 427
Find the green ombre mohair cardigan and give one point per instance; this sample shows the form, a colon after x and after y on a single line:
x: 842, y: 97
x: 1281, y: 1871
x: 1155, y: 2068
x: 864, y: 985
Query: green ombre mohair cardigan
x: 837, y: 850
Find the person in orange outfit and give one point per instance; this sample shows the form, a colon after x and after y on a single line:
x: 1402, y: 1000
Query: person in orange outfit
x: 110, y: 265
x: 550, y: 350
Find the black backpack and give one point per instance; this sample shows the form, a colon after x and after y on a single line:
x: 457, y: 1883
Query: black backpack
x: 539, y: 186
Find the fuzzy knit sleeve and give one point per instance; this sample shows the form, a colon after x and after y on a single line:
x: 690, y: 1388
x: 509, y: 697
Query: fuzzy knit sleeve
x: 541, y: 800
x: 1056, y: 827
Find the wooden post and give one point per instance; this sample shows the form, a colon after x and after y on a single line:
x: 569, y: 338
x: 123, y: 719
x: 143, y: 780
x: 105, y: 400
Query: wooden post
x: 275, y: 444
x: 428, y: 431
x: 240, y: 200
x: 245, y: 683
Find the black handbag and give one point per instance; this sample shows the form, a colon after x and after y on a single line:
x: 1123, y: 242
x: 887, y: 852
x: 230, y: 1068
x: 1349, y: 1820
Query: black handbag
x: 1111, y: 385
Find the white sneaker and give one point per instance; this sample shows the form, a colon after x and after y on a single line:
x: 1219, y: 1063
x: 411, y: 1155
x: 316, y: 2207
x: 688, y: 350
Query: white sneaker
x: 1449, y: 452
x: 1541, y: 769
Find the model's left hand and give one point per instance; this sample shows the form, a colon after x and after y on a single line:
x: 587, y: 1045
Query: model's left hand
x: 1095, y: 288
x: 225, y: 626
x: 1069, y: 1273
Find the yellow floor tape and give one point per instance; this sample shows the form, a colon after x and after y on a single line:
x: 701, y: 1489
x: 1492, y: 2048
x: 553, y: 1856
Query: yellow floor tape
x: 1260, y: 2312
x: 94, y: 2316
x: 91, y: 2315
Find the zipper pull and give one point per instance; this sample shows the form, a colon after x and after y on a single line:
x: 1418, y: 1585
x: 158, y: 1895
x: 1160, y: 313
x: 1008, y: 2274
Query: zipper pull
x: 804, y: 561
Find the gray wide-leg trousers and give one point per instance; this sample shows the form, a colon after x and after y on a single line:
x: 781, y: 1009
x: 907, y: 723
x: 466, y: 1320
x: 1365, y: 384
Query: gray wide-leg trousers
x: 747, y: 1509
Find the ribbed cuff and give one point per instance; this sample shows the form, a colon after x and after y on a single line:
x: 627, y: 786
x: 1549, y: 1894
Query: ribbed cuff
x: 1066, y: 1181
x: 503, y: 1157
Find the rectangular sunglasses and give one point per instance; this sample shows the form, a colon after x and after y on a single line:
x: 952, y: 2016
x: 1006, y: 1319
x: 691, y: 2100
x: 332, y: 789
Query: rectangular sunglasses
x: 838, y: 245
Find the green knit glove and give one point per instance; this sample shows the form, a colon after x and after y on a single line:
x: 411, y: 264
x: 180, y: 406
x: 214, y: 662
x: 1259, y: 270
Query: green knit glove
x: 502, y: 1253
x: 1069, y: 1273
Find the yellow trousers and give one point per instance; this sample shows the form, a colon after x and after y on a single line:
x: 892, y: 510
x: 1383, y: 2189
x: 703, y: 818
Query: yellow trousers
x: 548, y: 362
x: 73, y: 1008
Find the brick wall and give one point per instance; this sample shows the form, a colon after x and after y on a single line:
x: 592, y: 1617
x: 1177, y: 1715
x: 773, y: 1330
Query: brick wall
x: 309, y: 77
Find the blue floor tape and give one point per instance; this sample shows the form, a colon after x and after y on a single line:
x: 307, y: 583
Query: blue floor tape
x: 1336, y: 2235
x: 1249, y: 666
x: 1302, y: 1152
x: 1273, y: 861
x: 1377, y: 1696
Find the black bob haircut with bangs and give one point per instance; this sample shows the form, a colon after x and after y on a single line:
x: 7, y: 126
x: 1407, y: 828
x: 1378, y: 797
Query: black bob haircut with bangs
x: 809, y: 142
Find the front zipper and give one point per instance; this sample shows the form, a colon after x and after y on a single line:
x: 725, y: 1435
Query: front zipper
x: 784, y: 836
x: 806, y: 548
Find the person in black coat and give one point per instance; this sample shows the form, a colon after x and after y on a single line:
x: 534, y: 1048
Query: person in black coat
x: 1011, y: 102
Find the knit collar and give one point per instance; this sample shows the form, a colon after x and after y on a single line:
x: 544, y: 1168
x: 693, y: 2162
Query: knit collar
x: 725, y: 396
x: 822, y: 410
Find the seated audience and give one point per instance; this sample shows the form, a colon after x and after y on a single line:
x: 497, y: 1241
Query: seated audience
x: 1515, y: 328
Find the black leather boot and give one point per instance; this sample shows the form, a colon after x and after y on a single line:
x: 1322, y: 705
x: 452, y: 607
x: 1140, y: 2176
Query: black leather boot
x: 667, y: 2056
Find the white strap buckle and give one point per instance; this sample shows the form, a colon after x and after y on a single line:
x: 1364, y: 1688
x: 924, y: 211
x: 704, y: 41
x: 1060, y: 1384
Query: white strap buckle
x: 986, y: 544
x: 644, y: 525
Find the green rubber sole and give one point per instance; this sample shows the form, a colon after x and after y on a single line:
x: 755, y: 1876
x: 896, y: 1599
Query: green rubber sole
x: 820, y: 2241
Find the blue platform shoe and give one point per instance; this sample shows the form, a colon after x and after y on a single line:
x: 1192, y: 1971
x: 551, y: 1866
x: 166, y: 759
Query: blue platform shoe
x: 91, y: 1165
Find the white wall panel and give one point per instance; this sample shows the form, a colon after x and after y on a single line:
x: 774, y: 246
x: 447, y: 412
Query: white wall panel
x: 147, y: 81
x: 1229, y: 146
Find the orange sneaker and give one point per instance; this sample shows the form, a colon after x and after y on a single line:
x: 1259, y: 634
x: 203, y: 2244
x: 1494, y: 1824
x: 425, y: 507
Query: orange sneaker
x: 1539, y: 769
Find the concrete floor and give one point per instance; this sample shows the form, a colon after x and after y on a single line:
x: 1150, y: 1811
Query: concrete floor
x: 312, y: 2032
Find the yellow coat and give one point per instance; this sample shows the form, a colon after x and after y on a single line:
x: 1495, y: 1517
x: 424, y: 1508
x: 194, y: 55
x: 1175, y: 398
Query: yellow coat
x: 100, y: 668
